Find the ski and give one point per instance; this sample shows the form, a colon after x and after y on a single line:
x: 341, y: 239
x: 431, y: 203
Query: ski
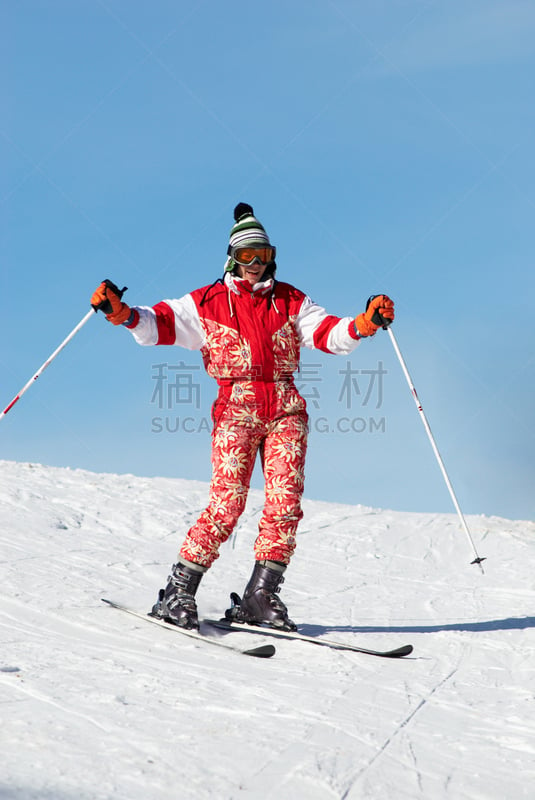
x: 264, y: 651
x: 225, y: 624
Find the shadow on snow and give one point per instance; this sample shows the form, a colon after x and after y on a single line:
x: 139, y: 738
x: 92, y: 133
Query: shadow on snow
x: 511, y: 623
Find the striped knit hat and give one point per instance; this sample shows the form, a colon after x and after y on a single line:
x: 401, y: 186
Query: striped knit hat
x: 247, y: 230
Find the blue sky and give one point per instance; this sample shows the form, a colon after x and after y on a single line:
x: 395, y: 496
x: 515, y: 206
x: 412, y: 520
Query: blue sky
x: 385, y: 146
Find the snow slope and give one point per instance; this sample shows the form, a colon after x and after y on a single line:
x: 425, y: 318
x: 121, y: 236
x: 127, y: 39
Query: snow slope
x: 97, y: 705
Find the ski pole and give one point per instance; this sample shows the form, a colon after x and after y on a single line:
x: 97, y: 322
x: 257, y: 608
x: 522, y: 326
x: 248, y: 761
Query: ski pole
x: 49, y: 360
x: 477, y: 559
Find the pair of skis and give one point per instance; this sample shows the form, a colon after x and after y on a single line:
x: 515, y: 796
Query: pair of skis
x: 265, y: 650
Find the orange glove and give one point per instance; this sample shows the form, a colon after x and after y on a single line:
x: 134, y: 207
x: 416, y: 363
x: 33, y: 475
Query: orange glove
x: 379, y: 314
x: 107, y: 298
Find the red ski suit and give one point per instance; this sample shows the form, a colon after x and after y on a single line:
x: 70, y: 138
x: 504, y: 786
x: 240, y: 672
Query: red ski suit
x: 250, y: 338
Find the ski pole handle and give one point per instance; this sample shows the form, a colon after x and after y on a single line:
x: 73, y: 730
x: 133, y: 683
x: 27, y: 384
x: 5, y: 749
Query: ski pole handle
x: 49, y: 360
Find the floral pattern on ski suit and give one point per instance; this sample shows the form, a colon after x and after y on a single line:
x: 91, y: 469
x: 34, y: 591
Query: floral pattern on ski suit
x: 235, y: 443
x: 250, y: 340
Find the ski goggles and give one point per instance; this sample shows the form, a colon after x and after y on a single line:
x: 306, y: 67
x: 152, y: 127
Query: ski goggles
x: 246, y: 256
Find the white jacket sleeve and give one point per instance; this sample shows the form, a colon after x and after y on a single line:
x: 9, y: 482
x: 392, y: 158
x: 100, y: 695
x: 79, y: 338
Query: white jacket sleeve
x: 319, y: 330
x: 170, y: 322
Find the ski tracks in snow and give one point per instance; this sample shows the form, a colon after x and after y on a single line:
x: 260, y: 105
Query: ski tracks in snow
x: 100, y: 709
x: 331, y: 747
x: 401, y: 726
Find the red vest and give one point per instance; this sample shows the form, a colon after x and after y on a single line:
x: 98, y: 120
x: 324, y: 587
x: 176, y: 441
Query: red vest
x: 252, y: 347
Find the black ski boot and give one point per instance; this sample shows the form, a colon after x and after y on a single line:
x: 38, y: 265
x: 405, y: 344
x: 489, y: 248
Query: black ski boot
x: 176, y: 603
x: 261, y: 604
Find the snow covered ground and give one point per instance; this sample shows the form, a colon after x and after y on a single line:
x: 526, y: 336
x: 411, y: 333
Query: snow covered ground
x: 96, y: 705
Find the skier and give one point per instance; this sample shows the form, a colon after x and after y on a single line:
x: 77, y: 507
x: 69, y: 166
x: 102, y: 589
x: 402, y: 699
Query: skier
x: 249, y: 328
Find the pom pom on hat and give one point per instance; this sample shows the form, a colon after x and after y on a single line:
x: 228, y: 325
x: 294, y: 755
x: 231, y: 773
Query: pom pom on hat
x: 242, y: 210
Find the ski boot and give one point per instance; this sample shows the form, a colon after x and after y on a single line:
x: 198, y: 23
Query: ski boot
x: 176, y: 603
x: 261, y: 604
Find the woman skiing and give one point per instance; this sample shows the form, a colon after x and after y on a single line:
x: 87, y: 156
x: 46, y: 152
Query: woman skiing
x: 249, y: 328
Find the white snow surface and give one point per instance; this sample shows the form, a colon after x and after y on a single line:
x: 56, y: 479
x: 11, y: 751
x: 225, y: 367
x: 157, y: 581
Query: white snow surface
x: 98, y: 705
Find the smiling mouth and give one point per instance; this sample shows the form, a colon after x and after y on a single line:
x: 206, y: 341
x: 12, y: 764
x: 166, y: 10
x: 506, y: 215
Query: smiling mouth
x: 252, y: 273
